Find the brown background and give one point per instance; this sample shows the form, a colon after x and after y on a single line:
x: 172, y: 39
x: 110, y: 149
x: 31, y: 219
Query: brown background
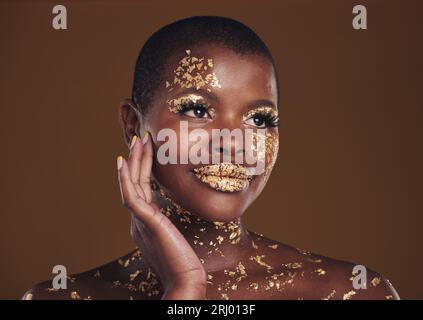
x: 348, y: 180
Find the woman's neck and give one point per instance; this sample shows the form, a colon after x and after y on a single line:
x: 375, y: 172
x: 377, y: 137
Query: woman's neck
x: 218, y: 245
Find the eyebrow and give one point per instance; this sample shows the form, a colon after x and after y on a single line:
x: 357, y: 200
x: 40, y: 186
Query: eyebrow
x: 208, y: 94
x: 261, y: 103
x: 201, y: 92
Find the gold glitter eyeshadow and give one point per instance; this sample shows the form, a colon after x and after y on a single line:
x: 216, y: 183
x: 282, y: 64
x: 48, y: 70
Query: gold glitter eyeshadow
x: 176, y: 105
x: 264, y: 110
x: 193, y: 72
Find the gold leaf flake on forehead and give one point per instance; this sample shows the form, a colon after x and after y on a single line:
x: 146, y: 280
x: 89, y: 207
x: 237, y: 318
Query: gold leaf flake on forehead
x: 193, y: 72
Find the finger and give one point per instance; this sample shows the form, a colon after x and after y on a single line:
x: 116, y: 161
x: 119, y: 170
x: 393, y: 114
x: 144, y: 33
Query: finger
x: 130, y: 197
x: 135, y: 155
x: 146, y: 166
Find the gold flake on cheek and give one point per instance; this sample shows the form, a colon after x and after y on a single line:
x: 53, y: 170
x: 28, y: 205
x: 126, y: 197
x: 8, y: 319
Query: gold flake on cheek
x: 193, y: 72
x: 348, y: 295
x: 270, y: 152
x: 375, y: 281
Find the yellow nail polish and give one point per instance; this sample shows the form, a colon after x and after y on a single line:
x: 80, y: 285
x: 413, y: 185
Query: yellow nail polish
x: 145, y: 138
x: 119, y: 162
x: 134, y: 138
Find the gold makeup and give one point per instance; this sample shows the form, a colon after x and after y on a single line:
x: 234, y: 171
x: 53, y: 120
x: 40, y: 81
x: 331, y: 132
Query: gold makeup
x: 178, y: 105
x: 348, y: 295
x: 263, y: 110
x: 270, y: 152
x: 193, y: 72
x: 224, y: 177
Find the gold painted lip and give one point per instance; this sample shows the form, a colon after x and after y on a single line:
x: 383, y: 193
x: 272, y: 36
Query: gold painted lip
x: 224, y: 177
x: 227, y: 170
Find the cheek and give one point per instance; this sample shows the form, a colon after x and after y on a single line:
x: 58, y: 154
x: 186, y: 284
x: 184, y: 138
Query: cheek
x: 265, y: 147
x: 272, y: 147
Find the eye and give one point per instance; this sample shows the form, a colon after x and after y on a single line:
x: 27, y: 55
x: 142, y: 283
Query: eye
x: 195, y: 110
x: 262, y: 121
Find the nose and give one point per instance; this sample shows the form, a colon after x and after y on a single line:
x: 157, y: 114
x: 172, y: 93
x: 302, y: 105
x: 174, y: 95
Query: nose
x: 228, y: 145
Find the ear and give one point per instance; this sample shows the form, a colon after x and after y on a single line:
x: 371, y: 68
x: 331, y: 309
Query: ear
x: 129, y: 119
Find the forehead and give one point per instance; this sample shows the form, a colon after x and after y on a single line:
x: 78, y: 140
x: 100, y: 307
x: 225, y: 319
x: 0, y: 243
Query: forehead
x: 221, y: 71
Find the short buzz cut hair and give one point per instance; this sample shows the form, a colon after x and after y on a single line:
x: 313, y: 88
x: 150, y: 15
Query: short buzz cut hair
x: 183, y: 34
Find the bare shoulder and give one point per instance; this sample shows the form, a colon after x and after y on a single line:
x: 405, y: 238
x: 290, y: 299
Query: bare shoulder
x: 306, y: 275
x: 121, y: 279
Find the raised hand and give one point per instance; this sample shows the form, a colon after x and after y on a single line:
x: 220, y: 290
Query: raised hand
x: 171, y: 256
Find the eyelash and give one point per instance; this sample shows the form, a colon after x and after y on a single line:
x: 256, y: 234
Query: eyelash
x: 191, y: 105
x: 270, y: 120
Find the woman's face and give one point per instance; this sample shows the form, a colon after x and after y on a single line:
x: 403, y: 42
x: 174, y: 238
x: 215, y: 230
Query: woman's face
x: 211, y: 88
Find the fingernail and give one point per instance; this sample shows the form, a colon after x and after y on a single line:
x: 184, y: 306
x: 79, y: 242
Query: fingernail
x: 119, y: 162
x: 145, y: 138
x: 134, y: 138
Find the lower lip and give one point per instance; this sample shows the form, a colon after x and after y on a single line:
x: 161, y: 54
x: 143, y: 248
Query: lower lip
x: 224, y: 184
